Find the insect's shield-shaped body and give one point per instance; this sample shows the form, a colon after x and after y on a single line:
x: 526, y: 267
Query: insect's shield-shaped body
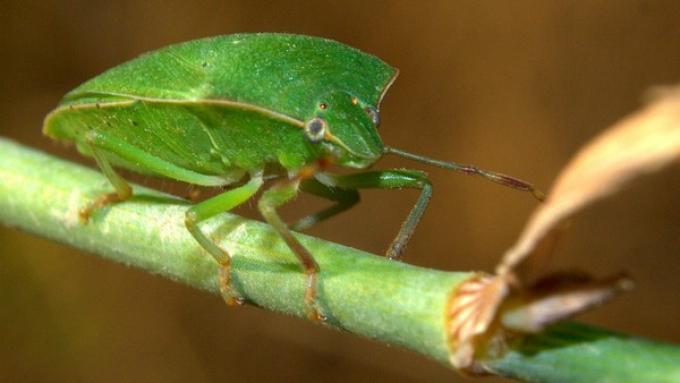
x: 213, y: 111
x: 228, y: 104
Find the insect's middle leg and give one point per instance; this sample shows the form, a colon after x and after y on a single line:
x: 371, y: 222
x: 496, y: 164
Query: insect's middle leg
x: 277, y: 195
x: 390, y: 179
x: 210, y: 208
x: 343, y: 198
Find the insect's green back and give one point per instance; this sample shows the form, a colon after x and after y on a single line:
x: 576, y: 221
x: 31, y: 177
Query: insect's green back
x: 281, y: 72
x: 234, y: 102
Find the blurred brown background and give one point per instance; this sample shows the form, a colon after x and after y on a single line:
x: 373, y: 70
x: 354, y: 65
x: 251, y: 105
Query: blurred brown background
x: 510, y: 86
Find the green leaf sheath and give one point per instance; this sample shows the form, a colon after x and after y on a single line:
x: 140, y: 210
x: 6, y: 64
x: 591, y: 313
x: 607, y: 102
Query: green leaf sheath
x: 573, y: 352
x: 365, y: 294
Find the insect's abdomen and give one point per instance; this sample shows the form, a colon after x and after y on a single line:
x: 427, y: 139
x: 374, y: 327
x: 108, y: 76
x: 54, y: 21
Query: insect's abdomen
x: 203, y: 138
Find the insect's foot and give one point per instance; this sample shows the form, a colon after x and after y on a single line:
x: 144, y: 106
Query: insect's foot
x: 84, y: 215
x: 395, y: 251
x: 231, y: 300
x: 311, y: 307
x: 228, y: 294
x: 86, y: 212
x: 313, y: 314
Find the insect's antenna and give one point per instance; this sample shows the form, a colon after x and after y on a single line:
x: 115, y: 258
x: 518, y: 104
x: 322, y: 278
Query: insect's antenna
x: 498, y: 178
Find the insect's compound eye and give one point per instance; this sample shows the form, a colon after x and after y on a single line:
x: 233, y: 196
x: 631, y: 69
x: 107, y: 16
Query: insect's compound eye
x: 315, y: 130
x: 374, y: 115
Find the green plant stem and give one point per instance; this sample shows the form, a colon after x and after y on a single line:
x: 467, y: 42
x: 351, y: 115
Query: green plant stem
x: 359, y: 292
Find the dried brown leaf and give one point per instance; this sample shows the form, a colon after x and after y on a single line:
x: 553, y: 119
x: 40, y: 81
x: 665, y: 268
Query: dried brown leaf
x: 643, y: 142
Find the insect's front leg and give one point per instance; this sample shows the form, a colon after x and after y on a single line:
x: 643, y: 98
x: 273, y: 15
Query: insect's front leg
x: 390, y: 179
x: 277, y: 195
x: 210, y: 208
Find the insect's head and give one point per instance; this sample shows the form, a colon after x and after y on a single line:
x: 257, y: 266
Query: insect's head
x: 347, y: 129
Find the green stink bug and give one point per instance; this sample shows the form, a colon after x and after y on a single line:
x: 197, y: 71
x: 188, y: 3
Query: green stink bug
x: 246, y: 107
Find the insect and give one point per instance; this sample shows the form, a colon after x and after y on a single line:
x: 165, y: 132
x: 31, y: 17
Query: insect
x: 239, y: 109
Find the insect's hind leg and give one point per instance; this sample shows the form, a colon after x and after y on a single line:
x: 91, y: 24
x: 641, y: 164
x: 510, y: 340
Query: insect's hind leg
x: 277, y: 195
x: 343, y: 198
x: 122, y: 187
x: 210, y: 208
